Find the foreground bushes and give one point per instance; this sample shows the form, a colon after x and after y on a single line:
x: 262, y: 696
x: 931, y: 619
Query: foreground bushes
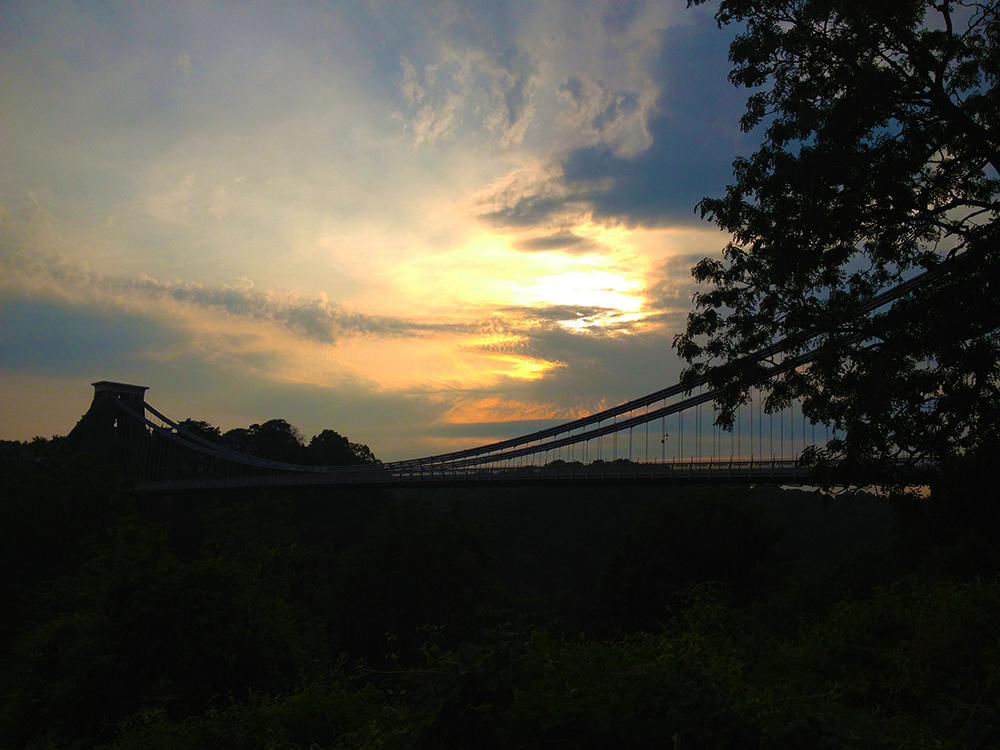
x: 404, y: 639
x: 900, y: 669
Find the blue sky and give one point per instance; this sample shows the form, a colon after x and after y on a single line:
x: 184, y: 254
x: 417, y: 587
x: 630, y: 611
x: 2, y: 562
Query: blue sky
x: 424, y: 225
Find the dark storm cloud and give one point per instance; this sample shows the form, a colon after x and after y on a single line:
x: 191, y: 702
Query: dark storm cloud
x: 565, y: 241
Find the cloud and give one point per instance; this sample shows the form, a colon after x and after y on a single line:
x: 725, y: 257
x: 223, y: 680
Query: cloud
x: 210, y: 146
x: 556, y: 313
x: 514, y: 78
x: 534, y: 196
x: 394, y: 424
x: 25, y: 263
x: 56, y: 337
x: 173, y: 205
x: 183, y: 63
x: 483, y: 79
x: 318, y: 319
x: 28, y: 261
x: 673, y: 287
x: 437, y: 115
x: 196, y: 378
x: 619, y: 14
x: 432, y: 123
x: 592, y: 371
x: 487, y: 431
x: 590, y: 106
x: 410, y: 85
x: 565, y: 241
x: 218, y: 206
x: 693, y: 134
x: 591, y: 378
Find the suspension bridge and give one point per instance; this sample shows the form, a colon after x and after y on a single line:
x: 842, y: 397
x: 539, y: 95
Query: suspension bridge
x: 669, y: 435
x: 664, y: 436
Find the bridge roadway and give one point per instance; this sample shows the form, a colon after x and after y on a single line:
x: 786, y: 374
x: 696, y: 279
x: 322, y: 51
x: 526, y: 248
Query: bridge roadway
x: 736, y: 471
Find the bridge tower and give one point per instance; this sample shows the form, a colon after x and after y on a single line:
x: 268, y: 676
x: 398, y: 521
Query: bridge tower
x: 106, y: 431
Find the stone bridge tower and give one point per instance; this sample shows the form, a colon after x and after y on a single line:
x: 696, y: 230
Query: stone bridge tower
x: 106, y: 431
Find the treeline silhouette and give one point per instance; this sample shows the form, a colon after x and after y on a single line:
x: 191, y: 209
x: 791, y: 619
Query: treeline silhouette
x: 277, y: 440
x: 496, y: 618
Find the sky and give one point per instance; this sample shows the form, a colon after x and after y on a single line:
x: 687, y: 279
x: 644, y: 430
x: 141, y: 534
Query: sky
x: 426, y: 225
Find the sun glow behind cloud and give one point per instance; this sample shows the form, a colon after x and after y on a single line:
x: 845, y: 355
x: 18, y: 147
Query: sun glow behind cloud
x: 594, y: 288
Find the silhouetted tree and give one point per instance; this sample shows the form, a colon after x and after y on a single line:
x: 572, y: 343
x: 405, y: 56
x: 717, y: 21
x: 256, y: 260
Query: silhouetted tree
x: 278, y: 441
x: 239, y: 439
x: 879, y: 161
x: 330, y: 448
x: 201, y: 428
x: 363, y: 454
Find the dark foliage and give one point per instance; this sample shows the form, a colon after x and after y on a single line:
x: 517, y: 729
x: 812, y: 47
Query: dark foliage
x: 879, y: 161
x: 202, y: 429
x: 270, y: 633
x: 330, y: 448
x: 416, y: 568
x: 677, y: 543
x: 51, y: 515
x: 277, y: 440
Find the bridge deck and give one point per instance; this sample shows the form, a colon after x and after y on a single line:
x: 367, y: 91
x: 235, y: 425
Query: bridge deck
x: 738, y: 471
